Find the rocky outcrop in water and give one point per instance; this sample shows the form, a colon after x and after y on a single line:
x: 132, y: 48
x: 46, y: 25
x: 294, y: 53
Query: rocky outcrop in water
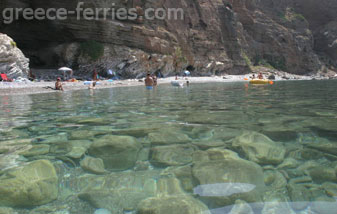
x: 12, y: 60
x: 215, y: 37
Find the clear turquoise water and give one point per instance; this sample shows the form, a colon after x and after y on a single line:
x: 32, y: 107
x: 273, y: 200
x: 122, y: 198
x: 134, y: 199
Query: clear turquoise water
x: 293, y: 114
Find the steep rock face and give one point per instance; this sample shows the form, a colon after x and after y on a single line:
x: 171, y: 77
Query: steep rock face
x: 12, y: 61
x: 215, y: 36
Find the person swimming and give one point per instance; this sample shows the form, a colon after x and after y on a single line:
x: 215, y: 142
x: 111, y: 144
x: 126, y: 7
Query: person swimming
x: 149, y: 82
x: 93, y: 85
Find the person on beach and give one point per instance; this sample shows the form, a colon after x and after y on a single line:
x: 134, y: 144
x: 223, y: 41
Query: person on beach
x: 149, y: 82
x: 94, y: 75
x: 58, y: 85
x: 260, y: 76
x: 31, y: 76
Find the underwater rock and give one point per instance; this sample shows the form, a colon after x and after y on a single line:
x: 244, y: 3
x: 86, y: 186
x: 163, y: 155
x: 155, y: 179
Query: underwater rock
x: 277, y: 207
x: 7, y: 210
x: 33, y: 184
x: 135, y: 131
x: 55, y: 139
x: 323, y: 174
x: 95, y: 121
x: 82, y: 135
x: 182, y: 204
x: 326, y: 147
x: 184, y: 174
x: 78, y: 148
x: 207, y: 144
x: 173, y: 155
x: 168, y: 137
x: 4, y: 150
x: 117, y: 152
x: 214, y: 154
x: 289, y: 163
x: 299, y: 195
x: 324, y: 205
x: 259, y: 148
x: 120, y: 191
x: 275, y: 179
x: 238, y: 179
x: 93, y: 165
x: 60, y: 148
x: 241, y: 207
x: 41, y: 149
x: 330, y: 189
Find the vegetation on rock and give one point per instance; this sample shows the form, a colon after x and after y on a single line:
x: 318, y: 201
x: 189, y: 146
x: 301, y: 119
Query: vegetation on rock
x: 93, y: 49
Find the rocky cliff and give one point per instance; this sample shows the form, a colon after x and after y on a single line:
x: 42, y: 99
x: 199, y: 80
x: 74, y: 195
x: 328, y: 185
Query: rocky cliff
x: 215, y: 37
x: 12, y: 61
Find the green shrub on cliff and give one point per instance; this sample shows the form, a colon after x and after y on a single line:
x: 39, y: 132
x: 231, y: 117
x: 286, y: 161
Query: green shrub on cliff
x: 93, y: 49
x: 13, y: 44
x: 271, y: 62
x: 299, y: 17
x: 247, y: 60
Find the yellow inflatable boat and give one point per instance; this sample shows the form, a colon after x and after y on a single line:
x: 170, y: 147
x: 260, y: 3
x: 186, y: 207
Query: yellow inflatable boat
x: 259, y: 82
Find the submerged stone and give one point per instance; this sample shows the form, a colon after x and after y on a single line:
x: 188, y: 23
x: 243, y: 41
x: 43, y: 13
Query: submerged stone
x: 223, y: 180
x: 299, y: 195
x: 183, y: 204
x: 289, y: 163
x: 55, y: 139
x: 275, y: 179
x: 117, y: 152
x: 78, y: 148
x: 241, y: 207
x: 327, y: 147
x: 277, y: 207
x: 259, y: 148
x: 173, y: 155
x: 93, y: 165
x: 81, y: 135
x: 135, y: 131
x: 324, y: 205
x: 121, y: 191
x: 168, y: 137
x: 7, y: 210
x: 323, y: 174
x: 41, y: 149
x: 207, y: 144
x: 31, y: 185
x: 330, y: 189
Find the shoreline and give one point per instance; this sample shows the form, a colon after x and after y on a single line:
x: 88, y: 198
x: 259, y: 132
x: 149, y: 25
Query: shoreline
x: 26, y: 88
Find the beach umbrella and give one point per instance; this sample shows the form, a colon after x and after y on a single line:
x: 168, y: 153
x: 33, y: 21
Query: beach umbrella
x: 65, y: 69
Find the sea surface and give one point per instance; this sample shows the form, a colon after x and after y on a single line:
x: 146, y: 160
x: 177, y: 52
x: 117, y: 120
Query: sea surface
x: 207, y: 148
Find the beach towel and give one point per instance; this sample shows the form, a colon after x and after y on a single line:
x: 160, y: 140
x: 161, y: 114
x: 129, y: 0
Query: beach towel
x: 4, y: 78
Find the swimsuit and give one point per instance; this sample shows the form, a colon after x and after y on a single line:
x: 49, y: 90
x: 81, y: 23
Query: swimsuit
x: 149, y: 87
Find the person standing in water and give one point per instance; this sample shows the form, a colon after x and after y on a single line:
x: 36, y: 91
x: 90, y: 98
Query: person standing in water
x: 155, y: 80
x: 149, y: 82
